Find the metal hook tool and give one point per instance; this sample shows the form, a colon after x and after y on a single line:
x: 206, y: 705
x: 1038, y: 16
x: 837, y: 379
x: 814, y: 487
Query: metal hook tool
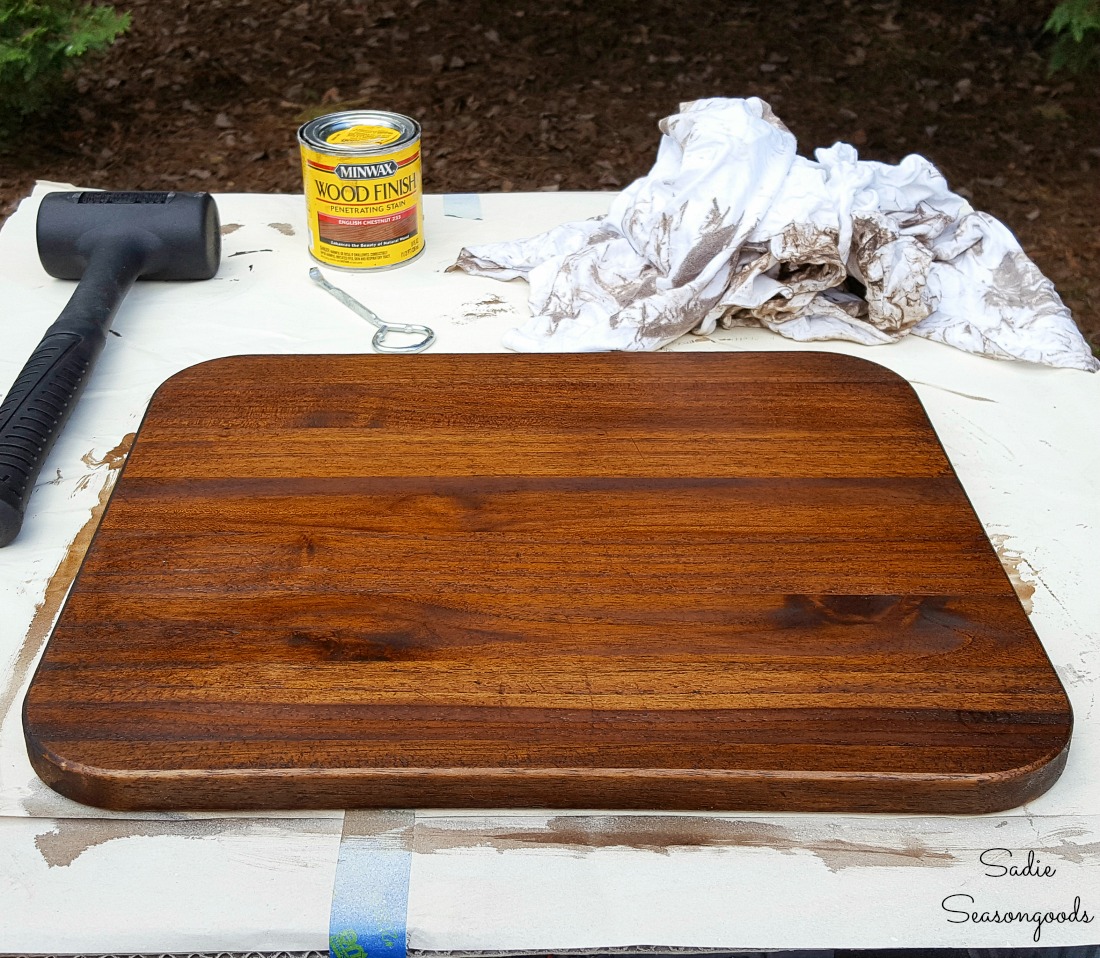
x: 384, y: 329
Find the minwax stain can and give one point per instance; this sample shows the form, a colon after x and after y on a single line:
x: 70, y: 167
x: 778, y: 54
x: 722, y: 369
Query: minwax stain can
x: 361, y: 170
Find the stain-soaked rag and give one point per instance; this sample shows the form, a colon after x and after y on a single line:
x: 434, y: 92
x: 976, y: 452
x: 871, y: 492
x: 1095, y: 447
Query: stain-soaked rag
x: 731, y: 227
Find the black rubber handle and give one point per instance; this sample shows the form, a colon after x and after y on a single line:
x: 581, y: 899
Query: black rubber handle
x: 33, y: 413
x: 45, y: 392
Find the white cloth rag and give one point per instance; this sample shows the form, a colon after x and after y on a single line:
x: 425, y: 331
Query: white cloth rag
x: 732, y: 227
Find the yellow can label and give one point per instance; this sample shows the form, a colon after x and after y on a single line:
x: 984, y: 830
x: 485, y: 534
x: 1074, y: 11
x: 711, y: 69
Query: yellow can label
x: 364, y: 212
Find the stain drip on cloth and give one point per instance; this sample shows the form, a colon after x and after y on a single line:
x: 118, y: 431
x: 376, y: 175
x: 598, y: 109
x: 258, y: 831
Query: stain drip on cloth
x: 732, y: 228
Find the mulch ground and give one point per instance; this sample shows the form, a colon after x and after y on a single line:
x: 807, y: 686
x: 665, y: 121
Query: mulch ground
x: 566, y: 95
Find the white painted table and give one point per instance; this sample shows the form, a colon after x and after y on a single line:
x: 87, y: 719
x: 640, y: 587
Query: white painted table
x: 1024, y: 441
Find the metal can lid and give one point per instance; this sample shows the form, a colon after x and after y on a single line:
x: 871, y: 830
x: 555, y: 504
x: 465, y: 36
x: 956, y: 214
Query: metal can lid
x: 359, y: 132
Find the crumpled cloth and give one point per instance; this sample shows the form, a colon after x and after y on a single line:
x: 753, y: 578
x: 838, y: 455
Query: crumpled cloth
x: 732, y: 227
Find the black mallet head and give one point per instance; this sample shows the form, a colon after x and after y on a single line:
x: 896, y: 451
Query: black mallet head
x: 175, y: 235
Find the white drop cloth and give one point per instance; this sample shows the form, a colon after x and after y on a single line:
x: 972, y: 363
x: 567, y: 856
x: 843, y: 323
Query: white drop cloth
x: 732, y: 227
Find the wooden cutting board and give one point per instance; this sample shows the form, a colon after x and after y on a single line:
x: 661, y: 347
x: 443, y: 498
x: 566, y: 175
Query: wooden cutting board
x: 683, y: 581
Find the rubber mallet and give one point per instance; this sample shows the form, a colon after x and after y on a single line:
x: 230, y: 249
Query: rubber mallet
x: 107, y: 240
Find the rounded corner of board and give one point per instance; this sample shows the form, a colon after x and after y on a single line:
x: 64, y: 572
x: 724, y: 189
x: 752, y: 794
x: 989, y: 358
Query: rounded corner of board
x: 71, y: 778
x: 1015, y: 787
x: 866, y: 365
x: 196, y: 371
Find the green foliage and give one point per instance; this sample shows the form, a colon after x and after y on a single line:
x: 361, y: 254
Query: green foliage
x: 39, y: 40
x: 1076, y: 27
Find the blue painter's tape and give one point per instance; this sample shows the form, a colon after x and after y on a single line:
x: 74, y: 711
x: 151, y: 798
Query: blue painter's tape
x: 370, y: 899
x: 465, y: 206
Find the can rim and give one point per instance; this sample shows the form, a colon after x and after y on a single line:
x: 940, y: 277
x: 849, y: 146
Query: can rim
x: 313, y: 132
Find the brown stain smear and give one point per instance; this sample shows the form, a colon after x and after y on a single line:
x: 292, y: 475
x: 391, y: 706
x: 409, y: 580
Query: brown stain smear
x: 383, y: 828
x: 69, y: 838
x: 1011, y: 560
x: 57, y: 588
x: 486, y: 308
x: 578, y: 836
x: 285, y: 228
x: 112, y: 459
x: 231, y: 228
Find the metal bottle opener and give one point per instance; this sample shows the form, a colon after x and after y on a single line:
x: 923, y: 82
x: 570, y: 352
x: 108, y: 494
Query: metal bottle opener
x: 383, y: 329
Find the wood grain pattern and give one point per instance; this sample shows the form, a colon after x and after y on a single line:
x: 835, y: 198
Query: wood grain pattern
x: 684, y: 581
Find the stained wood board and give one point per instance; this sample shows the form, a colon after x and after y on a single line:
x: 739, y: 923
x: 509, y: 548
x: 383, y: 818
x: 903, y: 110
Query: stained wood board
x: 674, y: 581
